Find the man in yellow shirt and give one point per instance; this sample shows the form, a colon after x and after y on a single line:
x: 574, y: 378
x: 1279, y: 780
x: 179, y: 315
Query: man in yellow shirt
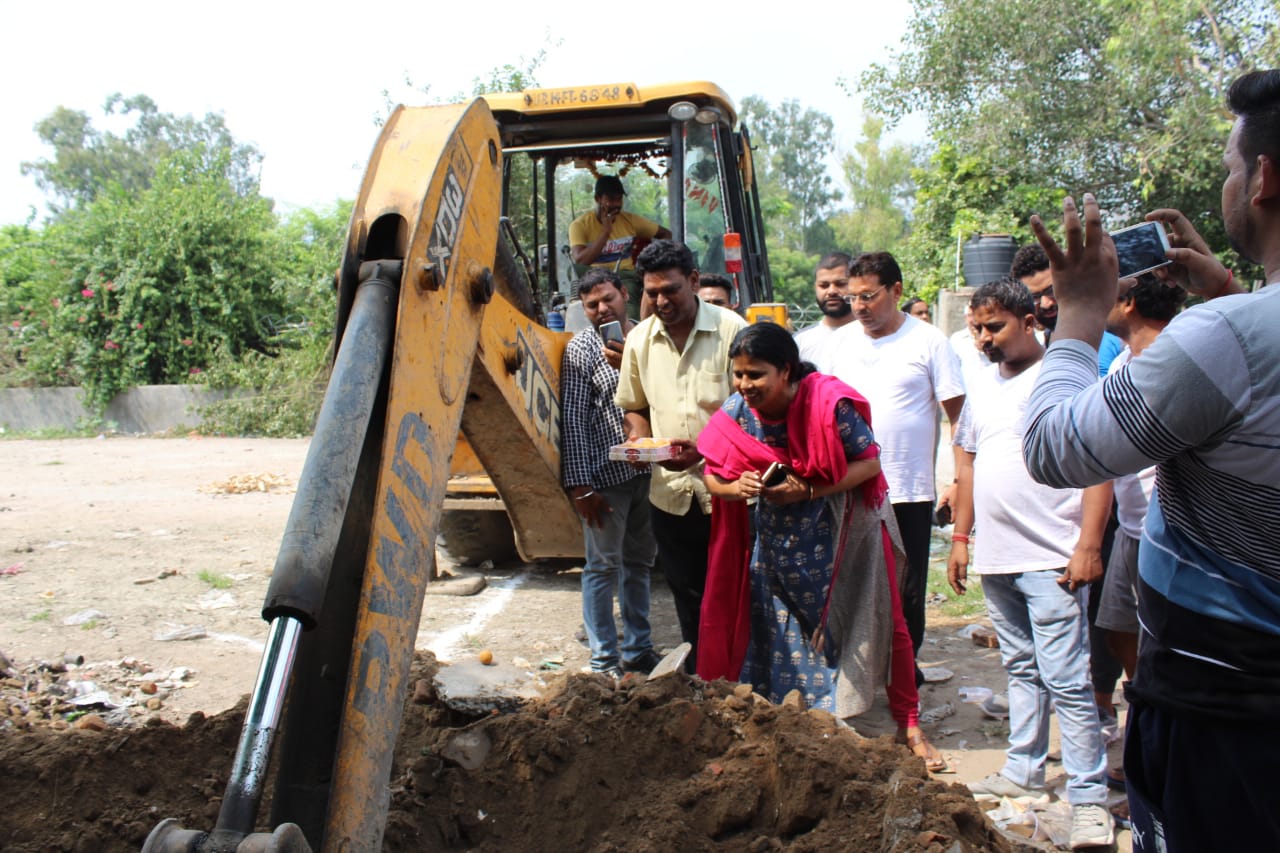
x: 603, y: 236
x: 675, y: 375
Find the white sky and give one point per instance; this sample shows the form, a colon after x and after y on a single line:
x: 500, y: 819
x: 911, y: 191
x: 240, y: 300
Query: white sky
x: 304, y: 82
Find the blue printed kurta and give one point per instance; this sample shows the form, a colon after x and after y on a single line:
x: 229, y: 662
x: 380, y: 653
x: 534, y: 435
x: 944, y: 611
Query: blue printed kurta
x: 790, y: 572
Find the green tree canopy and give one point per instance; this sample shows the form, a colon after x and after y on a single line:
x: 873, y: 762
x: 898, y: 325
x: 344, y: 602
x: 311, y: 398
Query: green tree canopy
x: 148, y: 287
x: 791, y: 170
x: 880, y: 193
x: 1030, y: 99
x: 87, y: 160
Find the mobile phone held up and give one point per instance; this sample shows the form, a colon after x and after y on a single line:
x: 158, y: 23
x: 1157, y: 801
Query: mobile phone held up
x: 611, y: 331
x: 1141, y: 248
x: 774, y: 475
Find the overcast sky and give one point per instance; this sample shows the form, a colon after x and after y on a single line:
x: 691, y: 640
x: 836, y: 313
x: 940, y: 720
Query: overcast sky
x: 304, y: 82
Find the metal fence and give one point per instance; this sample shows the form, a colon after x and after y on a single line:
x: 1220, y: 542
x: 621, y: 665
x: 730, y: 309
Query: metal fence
x: 804, y: 316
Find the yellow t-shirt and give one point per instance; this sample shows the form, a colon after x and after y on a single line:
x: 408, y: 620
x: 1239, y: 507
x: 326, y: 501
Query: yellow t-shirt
x: 681, y: 390
x: 584, y: 230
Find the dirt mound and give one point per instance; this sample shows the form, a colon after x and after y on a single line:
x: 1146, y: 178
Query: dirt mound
x: 669, y: 764
x: 86, y: 790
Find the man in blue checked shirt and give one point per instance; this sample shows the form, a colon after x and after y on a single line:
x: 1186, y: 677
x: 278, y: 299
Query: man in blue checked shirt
x: 611, y: 497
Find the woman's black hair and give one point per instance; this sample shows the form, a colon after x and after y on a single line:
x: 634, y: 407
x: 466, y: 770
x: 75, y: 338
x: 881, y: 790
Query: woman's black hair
x: 772, y: 344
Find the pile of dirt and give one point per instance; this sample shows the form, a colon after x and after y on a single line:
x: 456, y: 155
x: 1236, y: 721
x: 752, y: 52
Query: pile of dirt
x: 668, y: 764
x: 88, y: 790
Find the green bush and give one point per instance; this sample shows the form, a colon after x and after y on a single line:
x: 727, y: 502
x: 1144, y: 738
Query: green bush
x: 282, y: 394
x: 284, y: 390
x: 149, y: 286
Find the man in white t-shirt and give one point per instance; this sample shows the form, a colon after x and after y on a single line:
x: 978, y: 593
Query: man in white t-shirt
x: 1037, y: 549
x: 831, y: 286
x: 905, y: 368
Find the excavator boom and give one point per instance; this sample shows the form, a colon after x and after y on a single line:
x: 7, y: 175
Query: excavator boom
x: 440, y: 331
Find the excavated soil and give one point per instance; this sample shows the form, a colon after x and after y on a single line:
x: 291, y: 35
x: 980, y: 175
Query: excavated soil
x: 670, y: 764
x: 131, y: 576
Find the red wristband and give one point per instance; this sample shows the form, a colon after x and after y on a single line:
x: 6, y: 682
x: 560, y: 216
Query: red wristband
x: 1231, y: 276
x: 959, y: 537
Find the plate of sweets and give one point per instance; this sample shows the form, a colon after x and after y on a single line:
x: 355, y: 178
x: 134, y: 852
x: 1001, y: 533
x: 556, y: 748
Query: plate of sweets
x: 644, y: 450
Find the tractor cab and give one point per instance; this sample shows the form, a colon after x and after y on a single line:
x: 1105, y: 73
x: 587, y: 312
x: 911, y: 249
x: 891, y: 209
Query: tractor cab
x: 681, y: 160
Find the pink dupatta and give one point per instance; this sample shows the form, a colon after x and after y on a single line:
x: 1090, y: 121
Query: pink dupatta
x: 815, y: 452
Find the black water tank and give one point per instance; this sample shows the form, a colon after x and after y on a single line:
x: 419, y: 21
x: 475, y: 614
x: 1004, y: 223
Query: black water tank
x: 987, y: 258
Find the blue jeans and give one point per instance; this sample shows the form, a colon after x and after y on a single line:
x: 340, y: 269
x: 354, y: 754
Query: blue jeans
x: 622, y: 550
x: 1044, y: 644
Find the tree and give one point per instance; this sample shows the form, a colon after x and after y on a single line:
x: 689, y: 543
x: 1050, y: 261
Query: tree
x: 288, y: 384
x: 796, y: 191
x: 1027, y: 100
x: 22, y: 253
x: 880, y: 191
x: 792, y: 276
x: 309, y: 247
x: 960, y: 195
x: 86, y: 160
x: 151, y: 286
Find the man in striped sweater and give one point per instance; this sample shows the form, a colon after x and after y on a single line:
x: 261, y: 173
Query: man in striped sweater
x: 1203, y: 404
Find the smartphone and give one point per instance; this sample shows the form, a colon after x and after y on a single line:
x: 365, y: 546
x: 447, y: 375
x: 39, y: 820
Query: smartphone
x: 774, y: 475
x: 611, y: 331
x: 1141, y: 248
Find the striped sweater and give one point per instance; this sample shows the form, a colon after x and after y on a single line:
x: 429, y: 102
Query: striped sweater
x: 1203, y: 404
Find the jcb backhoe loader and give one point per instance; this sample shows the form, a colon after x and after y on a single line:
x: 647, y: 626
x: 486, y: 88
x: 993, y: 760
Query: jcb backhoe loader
x: 440, y: 329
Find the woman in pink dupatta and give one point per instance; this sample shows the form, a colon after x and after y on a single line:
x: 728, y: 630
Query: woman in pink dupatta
x: 801, y: 586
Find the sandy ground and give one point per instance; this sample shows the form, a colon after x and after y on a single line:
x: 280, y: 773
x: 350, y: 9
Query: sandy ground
x: 111, y: 547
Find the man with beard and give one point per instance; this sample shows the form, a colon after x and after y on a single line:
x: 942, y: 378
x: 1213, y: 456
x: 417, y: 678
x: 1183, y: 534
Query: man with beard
x: 1037, y: 548
x: 1200, y: 404
x: 1031, y: 267
x: 906, y: 369
x: 831, y: 286
x: 608, y: 236
x: 674, y: 376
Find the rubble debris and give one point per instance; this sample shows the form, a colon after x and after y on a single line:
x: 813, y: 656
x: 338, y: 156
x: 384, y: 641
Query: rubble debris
x: 241, y: 484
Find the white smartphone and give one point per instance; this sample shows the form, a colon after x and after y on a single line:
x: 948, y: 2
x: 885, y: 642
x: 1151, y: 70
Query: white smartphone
x: 611, y: 331
x: 1141, y: 248
x: 774, y: 475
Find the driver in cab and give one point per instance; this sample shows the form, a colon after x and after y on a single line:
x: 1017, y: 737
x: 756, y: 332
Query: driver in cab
x: 604, y: 236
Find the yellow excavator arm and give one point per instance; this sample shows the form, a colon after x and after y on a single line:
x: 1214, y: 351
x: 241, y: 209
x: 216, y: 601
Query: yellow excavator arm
x: 439, y: 330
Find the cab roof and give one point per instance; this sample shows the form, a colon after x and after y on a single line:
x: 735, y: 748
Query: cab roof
x: 550, y: 115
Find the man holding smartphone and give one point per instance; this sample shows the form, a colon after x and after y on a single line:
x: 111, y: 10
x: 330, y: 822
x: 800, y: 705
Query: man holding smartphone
x: 612, y: 498
x: 1201, y: 737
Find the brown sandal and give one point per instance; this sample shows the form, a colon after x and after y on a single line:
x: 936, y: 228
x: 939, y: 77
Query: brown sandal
x: 920, y: 745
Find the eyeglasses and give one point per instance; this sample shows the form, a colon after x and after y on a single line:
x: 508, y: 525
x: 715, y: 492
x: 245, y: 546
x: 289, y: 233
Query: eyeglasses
x: 866, y: 298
